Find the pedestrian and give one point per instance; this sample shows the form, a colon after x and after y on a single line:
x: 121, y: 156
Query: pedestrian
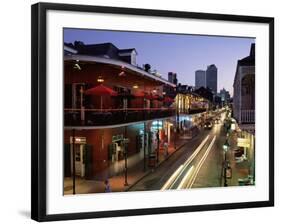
x: 107, y: 188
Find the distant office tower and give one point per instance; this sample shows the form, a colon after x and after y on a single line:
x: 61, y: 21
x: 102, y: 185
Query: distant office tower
x: 172, y: 77
x: 200, y: 79
x: 225, y: 96
x: 212, y: 78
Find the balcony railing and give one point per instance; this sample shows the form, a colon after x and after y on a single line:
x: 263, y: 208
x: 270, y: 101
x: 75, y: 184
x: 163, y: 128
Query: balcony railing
x: 101, y: 117
x: 247, y: 116
x: 192, y: 110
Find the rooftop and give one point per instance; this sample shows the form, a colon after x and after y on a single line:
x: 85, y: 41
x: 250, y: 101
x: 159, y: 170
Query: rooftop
x: 116, y: 62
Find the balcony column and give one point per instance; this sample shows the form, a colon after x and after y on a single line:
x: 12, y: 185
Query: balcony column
x: 82, y: 108
x: 126, y: 156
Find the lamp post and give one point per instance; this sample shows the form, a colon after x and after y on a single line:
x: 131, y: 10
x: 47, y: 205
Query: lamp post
x: 175, y: 134
x: 158, y: 142
x: 73, y: 162
x: 225, y: 149
x: 177, y: 113
x: 144, y: 146
x: 125, y: 141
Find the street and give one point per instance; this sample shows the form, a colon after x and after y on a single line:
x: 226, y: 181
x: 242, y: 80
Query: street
x: 197, y: 164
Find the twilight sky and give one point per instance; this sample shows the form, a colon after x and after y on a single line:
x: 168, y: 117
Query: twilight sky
x: 183, y: 54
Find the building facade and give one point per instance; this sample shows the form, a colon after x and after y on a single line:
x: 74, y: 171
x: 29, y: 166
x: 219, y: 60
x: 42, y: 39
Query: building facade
x: 244, y: 90
x: 200, y: 79
x: 191, y: 113
x: 212, y: 78
x: 113, y: 110
x: 225, y: 96
x: 244, y: 107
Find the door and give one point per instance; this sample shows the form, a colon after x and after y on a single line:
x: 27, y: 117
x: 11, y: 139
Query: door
x: 88, y: 158
x: 78, y: 160
x: 67, y: 160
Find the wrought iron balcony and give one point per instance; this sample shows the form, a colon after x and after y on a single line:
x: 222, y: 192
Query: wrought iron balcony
x: 192, y: 110
x: 247, y: 116
x: 103, y: 117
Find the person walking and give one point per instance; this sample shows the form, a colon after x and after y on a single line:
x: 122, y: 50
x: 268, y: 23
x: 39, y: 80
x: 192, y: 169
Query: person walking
x: 107, y: 188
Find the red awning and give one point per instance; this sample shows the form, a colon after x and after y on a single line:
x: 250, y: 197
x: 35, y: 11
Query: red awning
x: 101, y: 90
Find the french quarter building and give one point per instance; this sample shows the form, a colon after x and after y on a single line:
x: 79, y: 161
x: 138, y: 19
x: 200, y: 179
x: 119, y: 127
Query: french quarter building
x: 112, y: 108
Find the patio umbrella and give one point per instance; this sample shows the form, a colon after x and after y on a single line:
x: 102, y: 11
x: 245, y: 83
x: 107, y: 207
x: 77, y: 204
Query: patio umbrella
x: 168, y: 100
x: 101, y: 91
x: 152, y: 97
x: 139, y: 94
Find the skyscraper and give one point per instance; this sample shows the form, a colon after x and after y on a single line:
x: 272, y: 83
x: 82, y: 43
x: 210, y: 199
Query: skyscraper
x: 172, y: 78
x: 212, y: 78
x: 200, y: 79
x: 225, y: 96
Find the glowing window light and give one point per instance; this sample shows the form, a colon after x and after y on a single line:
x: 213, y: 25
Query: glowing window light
x: 100, y: 79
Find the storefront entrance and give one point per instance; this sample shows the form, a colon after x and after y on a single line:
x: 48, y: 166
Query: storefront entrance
x: 79, y: 156
x: 83, y: 157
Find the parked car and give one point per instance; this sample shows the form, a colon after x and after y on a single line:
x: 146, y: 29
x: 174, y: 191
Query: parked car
x: 246, y: 181
x: 217, y: 120
x: 208, y: 125
x: 238, y: 153
x: 240, y: 159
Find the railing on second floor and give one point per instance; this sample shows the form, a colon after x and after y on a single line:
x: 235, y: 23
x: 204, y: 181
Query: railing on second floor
x: 101, y: 117
x: 192, y: 110
x: 247, y: 116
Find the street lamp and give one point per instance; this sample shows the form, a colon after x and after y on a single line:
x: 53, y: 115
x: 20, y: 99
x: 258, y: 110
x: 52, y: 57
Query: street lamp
x: 225, y: 146
x: 158, y: 142
x: 73, y: 162
x: 225, y: 149
x: 175, y: 134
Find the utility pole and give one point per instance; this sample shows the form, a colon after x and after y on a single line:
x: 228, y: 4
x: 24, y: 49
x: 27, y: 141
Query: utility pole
x: 73, y: 161
x: 144, y: 146
x: 158, y: 142
x: 225, y: 149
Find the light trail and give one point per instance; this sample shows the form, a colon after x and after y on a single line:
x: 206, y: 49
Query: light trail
x: 172, y: 178
x: 176, y: 175
x: 185, y: 179
x: 201, y: 162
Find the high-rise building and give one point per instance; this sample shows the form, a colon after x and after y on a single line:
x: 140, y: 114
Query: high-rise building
x: 172, y: 78
x: 225, y: 96
x: 200, y: 79
x: 212, y: 78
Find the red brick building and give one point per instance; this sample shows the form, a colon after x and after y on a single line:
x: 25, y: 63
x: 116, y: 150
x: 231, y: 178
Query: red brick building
x: 112, y: 107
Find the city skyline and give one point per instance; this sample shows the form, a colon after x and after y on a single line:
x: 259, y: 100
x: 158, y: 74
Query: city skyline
x: 188, y: 52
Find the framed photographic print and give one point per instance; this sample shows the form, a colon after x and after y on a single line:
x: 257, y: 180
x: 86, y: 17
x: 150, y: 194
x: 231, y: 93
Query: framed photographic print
x: 139, y: 111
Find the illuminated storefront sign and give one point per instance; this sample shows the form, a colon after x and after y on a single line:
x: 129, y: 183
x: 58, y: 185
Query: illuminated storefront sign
x: 116, y: 138
x: 78, y: 140
x: 243, y: 142
x: 156, y: 125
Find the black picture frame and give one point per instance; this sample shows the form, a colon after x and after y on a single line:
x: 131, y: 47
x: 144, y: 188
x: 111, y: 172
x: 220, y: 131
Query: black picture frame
x: 39, y: 122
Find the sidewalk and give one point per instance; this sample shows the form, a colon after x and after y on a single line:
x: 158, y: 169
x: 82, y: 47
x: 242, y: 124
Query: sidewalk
x: 117, y: 183
x: 239, y: 170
